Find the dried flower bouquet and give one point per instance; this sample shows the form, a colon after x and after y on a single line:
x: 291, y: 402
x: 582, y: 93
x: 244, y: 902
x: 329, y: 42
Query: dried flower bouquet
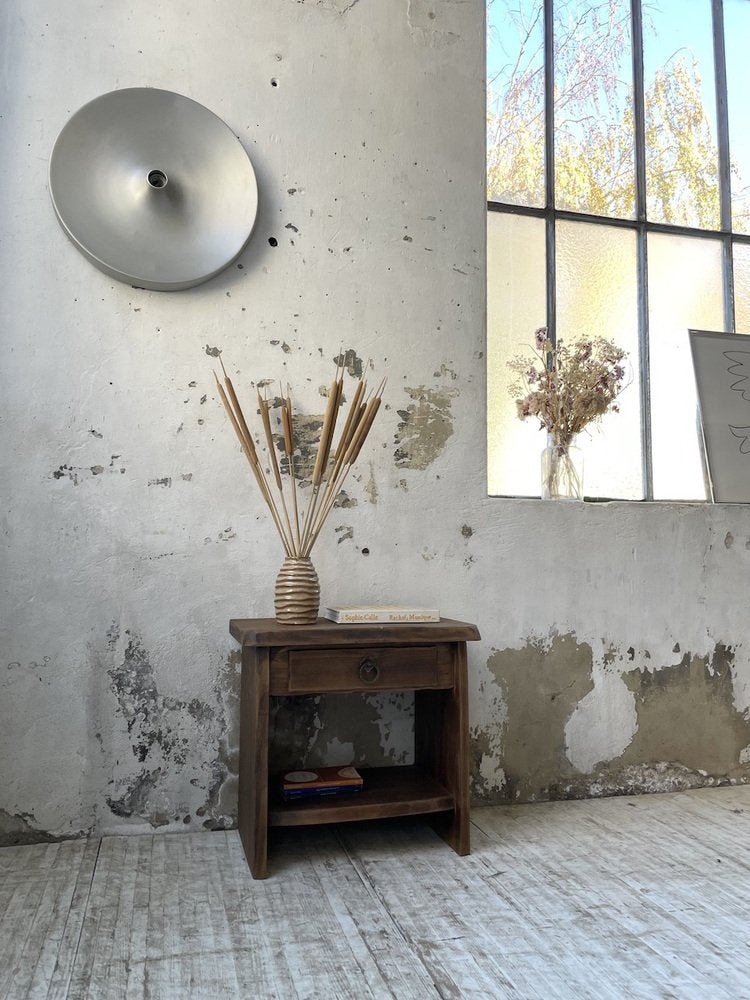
x: 566, y: 388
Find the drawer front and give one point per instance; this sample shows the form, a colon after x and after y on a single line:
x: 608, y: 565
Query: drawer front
x: 366, y: 669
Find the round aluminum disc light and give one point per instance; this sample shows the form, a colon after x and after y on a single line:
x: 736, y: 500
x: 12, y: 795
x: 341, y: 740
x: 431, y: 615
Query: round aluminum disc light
x: 153, y: 188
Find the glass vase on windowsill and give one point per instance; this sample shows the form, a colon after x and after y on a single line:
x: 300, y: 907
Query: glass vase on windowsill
x: 566, y: 388
x: 562, y: 470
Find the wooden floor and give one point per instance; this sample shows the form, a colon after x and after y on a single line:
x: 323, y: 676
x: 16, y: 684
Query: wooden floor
x: 629, y: 897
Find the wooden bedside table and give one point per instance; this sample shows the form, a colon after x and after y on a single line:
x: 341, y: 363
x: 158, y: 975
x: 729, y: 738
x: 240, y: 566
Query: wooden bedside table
x: 327, y: 658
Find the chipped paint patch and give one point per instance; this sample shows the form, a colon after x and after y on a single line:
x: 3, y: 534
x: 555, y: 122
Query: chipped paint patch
x: 686, y: 714
x: 604, y: 722
x: 76, y: 473
x: 351, y: 362
x: 487, y: 774
x: 425, y: 427
x: 371, y: 489
x: 679, y: 723
x: 307, y: 428
x: 542, y: 683
x: 344, y: 501
x: 344, y: 531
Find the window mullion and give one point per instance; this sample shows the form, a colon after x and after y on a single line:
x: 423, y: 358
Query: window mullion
x: 639, y: 119
x: 722, y: 128
x: 549, y: 168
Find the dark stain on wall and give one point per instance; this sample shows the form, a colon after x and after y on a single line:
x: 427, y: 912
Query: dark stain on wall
x: 144, y: 709
x: 134, y: 800
x: 20, y: 829
x: 302, y: 729
x: 426, y: 424
x: 220, y: 809
x: 163, y: 732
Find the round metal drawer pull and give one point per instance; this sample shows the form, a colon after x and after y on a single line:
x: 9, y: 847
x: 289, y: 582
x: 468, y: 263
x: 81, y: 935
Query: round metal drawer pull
x: 369, y: 671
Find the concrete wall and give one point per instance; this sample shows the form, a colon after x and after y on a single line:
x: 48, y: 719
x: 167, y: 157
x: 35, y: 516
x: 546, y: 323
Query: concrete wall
x: 612, y: 656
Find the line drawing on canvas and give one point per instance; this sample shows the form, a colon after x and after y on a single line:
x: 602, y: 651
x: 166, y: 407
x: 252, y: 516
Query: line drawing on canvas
x: 739, y: 360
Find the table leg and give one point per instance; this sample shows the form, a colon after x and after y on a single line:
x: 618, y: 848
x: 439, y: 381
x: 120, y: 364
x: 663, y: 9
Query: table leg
x: 253, y: 777
x: 441, y: 747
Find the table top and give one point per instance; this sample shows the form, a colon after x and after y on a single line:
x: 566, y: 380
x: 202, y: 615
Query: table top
x: 269, y: 632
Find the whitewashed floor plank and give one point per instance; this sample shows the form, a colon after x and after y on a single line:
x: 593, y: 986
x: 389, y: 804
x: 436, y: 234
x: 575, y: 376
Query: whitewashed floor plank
x: 43, y: 893
x: 686, y: 921
x: 639, y: 898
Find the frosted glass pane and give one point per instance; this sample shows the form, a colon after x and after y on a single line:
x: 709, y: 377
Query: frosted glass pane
x: 597, y: 295
x: 736, y: 35
x: 684, y: 282
x: 516, y: 307
x: 594, y: 145
x: 515, y: 102
x: 682, y: 162
x: 741, y: 288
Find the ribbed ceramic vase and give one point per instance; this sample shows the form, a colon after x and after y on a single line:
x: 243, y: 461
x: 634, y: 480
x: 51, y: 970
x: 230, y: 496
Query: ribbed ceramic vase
x: 297, y: 595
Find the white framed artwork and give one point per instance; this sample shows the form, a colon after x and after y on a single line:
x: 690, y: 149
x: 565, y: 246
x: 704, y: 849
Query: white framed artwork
x: 722, y: 376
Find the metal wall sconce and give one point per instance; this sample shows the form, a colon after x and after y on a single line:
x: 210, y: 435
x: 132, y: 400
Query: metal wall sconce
x: 153, y: 188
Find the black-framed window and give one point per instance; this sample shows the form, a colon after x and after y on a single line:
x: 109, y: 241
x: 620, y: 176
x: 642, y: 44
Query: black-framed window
x: 618, y: 185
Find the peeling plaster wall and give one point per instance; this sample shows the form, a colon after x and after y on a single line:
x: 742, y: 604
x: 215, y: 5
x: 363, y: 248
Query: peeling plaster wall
x: 613, y: 655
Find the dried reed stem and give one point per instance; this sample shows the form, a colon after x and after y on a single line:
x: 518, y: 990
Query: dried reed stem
x: 324, y: 451
x: 334, y: 484
x: 287, y: 423
x: 265, y: 405
x: 248, y: 446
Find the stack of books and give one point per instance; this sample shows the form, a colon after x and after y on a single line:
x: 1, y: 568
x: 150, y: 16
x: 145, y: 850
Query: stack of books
x: 380, y: 615
x: 320, y: 782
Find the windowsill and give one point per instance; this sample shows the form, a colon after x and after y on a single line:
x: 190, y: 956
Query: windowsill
x: 615, y: 500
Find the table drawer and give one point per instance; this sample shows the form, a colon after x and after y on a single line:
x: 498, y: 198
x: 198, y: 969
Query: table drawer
x: 379, y: 668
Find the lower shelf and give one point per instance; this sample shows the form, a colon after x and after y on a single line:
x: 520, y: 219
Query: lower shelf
x: 387, y: 791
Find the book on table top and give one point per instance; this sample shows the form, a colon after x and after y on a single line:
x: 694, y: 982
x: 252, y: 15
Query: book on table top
x: 351, y: 614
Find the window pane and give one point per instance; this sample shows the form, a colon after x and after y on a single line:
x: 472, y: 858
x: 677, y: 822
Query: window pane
x: 682, y: 163
x: 516, y: 307
x: 594, y: 148
x: 742, y: 288
x: 597, y: 295
x: 515, y: 102
x: 736, y: 35
x: 685, y: 292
